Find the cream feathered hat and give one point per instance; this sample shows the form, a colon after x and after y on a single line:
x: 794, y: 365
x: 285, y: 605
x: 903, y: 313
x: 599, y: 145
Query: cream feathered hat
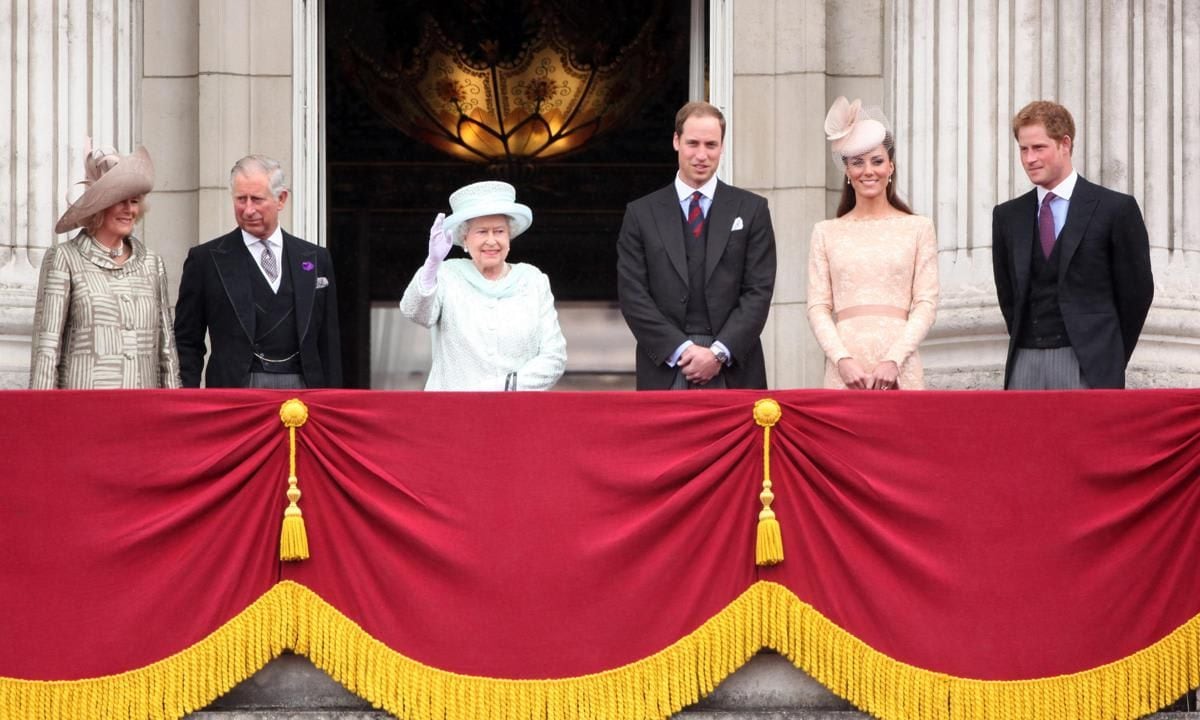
x: 481, y: 199
x: 852, y: 131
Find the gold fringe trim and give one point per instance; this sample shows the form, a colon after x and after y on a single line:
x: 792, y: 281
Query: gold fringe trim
x: 290, y: 616
x: 655, y: 687
x: 1129, y: 688
x: 185, y: 682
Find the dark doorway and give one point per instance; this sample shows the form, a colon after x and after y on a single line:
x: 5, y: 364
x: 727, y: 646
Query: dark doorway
x: 387, y: 183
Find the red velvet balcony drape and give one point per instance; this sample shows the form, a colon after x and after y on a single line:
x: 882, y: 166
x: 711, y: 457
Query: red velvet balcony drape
x: 997, y: 537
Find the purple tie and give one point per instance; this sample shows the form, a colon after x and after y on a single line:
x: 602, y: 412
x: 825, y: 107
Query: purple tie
x: 695, y: 216
x: 1046, y: 225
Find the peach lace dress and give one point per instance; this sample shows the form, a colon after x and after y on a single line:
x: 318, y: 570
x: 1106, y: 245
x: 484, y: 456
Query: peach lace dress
x: 873, y: 292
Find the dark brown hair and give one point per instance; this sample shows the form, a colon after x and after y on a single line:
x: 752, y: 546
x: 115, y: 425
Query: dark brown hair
x: 848, y: 199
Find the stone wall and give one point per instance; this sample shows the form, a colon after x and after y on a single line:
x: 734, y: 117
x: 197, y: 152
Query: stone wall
x: 199, y: 82
x: 217, y: 86
x: 203, y: 82
x: 950, y: 76
x: 781, y: 73
x: 1127, y: 71
x: 67, y: 71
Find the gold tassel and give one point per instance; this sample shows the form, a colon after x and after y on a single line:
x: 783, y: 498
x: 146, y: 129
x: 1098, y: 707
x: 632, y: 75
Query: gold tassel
x: 769, y: 548
x: 293, y: 540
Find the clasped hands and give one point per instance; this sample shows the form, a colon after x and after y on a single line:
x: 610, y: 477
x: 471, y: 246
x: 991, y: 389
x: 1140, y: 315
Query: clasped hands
x: 883, y: 377
x: 698, y: 364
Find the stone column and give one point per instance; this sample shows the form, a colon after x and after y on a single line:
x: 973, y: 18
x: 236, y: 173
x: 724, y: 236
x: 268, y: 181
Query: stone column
x: 960, y: 70
x: 245, y: 99
x: 218, y: 85
x: 170, y: 112
x: 68, y: 70
x: 779, y: 86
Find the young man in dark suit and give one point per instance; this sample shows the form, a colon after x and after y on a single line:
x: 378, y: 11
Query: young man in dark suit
x: 696, y: 269
x: 1072, y: 266
x: 265, y: 298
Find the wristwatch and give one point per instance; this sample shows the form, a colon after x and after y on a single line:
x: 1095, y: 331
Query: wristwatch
x: 722, y: 355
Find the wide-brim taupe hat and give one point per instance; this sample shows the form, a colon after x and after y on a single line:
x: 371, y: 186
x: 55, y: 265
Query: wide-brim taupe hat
x: 481, y: 199
x: 110, y: 178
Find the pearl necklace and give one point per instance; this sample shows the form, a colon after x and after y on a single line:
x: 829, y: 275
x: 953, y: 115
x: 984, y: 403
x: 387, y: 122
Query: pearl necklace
x: 113, y: 253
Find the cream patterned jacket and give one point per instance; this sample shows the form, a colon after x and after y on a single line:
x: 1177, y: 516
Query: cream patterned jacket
x: 100, y: 325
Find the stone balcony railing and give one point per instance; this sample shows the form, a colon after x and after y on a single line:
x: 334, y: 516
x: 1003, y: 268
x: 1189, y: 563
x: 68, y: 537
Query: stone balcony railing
x: 769, y: 687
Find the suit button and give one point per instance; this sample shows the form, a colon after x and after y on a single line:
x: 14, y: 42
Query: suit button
x: 683, y: 300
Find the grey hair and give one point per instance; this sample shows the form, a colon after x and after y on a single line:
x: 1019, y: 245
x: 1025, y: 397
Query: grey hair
x: 460, y: 231
x: 269, y: 166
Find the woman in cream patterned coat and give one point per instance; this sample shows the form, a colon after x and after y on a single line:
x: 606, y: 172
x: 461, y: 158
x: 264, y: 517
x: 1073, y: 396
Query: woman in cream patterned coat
x: 494, y: 324
x: 103, y: 316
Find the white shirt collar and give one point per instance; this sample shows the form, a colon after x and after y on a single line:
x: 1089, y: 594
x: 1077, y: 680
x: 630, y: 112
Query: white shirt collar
x: 275, y: 240
x: 1063, y: 190
x: 685, y: 191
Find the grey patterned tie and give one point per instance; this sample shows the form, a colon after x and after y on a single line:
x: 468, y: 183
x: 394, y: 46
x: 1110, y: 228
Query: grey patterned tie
x: 268, y: 262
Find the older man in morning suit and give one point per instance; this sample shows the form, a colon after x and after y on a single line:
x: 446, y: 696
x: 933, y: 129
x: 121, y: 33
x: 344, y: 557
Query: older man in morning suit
x: 696, y: 269
x: 265, y: 298
x: 1072, y: 266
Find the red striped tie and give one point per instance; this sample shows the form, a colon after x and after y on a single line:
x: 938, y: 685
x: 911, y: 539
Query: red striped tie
x: 696, y: 216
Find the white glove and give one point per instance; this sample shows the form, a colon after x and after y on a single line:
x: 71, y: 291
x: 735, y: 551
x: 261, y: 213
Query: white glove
x: 439, y: 248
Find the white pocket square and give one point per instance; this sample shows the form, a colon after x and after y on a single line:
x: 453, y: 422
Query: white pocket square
x: 322, y: 282
x: 737, y: 224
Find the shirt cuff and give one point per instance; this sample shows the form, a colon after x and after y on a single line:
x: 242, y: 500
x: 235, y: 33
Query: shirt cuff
x: 718, y: 345
x: 671, y: 361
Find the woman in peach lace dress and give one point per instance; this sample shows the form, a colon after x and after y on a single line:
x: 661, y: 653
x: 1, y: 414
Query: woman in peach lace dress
x: 872, y: 271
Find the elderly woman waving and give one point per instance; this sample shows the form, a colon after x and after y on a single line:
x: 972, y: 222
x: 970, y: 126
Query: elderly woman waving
x: 493, y: 323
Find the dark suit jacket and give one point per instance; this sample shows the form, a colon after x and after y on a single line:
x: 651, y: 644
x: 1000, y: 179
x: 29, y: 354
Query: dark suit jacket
x: 216, y: 297
x: 652, y: 281
x: 1105, y: 283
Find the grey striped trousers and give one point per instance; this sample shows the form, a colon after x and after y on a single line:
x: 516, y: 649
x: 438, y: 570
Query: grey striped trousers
x: 1046, y: 369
